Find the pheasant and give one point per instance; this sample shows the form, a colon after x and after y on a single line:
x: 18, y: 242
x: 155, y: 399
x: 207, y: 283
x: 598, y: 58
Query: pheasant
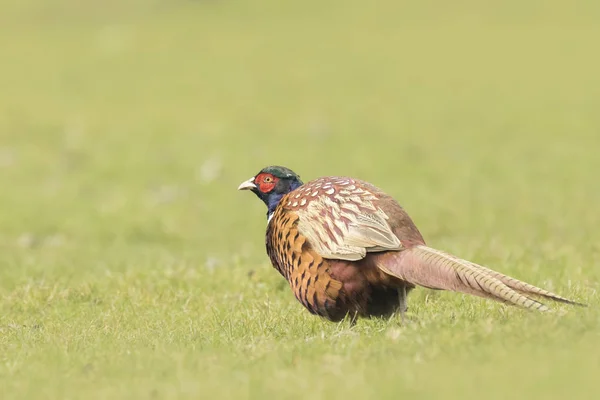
x: 349, y: 249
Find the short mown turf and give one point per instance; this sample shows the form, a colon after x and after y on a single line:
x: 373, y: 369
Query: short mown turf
x: 131, y: 268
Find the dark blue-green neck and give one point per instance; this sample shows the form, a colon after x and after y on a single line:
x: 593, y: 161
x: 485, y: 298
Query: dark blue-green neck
x: 273, y: 199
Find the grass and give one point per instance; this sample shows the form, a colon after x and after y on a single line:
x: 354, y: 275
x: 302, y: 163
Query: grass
x: 131, y: 268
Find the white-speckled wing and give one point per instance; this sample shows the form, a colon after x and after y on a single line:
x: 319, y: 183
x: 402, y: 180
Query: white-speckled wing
x: 340, y: 218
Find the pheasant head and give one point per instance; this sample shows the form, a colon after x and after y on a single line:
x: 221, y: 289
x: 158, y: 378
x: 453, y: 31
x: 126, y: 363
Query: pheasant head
x: 271, y: 184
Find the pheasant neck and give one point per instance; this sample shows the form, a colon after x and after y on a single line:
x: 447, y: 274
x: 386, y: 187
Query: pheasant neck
x: 274, y: 199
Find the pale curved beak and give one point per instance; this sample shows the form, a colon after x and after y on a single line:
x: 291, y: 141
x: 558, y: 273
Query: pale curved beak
x: 247, y: 185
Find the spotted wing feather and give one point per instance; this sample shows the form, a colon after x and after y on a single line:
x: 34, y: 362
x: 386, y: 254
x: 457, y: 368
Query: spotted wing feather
x: 341, y: 219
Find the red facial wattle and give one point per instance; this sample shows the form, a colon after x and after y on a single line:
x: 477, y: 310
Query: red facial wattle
x: 265, y: 182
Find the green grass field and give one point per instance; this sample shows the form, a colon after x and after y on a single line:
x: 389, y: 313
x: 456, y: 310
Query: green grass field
x: 130, y: 267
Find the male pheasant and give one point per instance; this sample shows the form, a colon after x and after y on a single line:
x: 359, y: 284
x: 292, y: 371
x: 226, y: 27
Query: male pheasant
x: 347, y: 248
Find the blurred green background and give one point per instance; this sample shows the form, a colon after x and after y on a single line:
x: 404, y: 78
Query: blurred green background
x: 130, y: 267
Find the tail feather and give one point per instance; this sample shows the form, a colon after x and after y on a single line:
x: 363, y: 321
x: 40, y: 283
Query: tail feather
x: 435, y: 269
x: 526, y: 288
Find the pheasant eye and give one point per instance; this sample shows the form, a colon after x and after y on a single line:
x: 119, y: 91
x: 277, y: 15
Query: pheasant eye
x: 268, y: 179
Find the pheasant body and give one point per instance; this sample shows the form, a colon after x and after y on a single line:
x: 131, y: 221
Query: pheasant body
x: 348, y: 248
x: 331, y: 287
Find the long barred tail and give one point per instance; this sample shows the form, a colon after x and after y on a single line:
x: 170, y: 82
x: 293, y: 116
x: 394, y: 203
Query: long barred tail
x: 526, y: 288
x: 435, y: 269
